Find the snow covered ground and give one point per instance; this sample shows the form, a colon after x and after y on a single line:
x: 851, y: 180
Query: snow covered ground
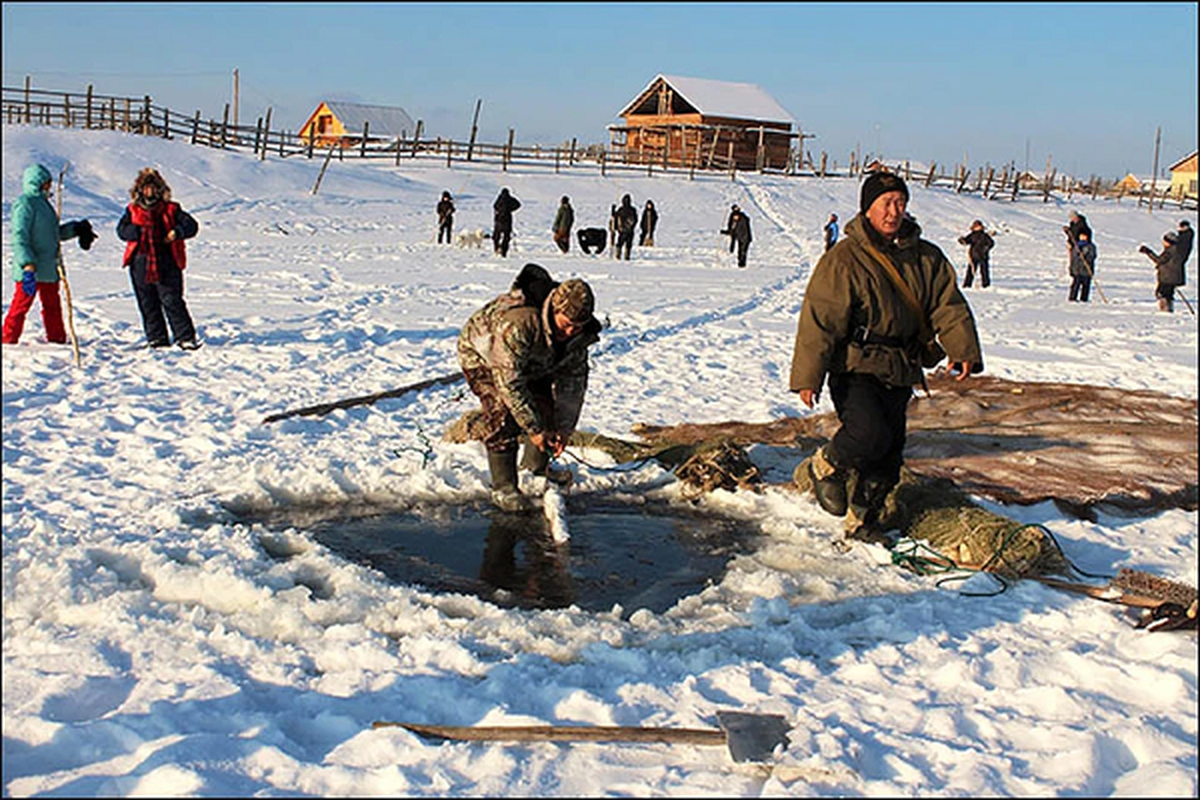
x: 154, y: 645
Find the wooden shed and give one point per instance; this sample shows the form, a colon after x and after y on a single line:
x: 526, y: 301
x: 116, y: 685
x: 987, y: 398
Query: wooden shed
x: 1183, y: 176
x: 1129, y: 184
x: 340, y: 123
x: 704, y: 123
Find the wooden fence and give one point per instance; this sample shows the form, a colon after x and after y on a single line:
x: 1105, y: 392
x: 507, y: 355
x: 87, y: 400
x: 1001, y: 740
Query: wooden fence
x: 90, y: 110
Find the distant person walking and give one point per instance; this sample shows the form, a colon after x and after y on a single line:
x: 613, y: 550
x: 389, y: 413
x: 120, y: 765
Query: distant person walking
x: 445, y: 212
x: 626, y: 221
x: 502, y: 221
x: 1083, y: 268
x: 154, y: 228
x: 739, y: 234
x: 979, y: 245
x: 1168, y: 267
x: 831, y: 232
x: 563, y: 221
x: 648, y: 224
x: 728, y: 229
x: 36, y: 234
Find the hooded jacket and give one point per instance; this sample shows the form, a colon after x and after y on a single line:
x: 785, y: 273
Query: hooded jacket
x: 511, y: 336
x: 855, y: 319
x: 36, y: 231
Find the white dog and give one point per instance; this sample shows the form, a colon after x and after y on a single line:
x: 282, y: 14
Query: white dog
x: 472, y: 238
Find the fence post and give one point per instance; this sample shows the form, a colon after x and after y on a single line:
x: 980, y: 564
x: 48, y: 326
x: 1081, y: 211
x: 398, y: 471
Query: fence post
x: 28, y: 108
x: 224, y: 126
x: 449, y: 152
x: 400, y: 146
x: 417, y: 136
x: 166, y: 123
x: 508, y: 149
x: 196, y: 126
x: 571, y: 163
x: 362, y: 150
x: 603, y: 154
x: 732, y: 163
x: 66, y: 110
x: 266, y: 136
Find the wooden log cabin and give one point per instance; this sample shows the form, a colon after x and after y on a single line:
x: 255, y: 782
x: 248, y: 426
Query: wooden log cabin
x: 701, y: 123
x: 342, y: 124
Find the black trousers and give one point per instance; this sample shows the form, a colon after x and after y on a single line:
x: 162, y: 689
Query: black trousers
x: 985, y: 277
x: 624, y: 244
x: 165, y: 297
x: 444, y: 228
x: 501, y: 237
x: 874, y: 419
x: 742, y: 249
x: 1080, y: 286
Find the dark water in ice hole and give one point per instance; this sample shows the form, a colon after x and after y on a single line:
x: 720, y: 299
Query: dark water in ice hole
x: 645, y: 555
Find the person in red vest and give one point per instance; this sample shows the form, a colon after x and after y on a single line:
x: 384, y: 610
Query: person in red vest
x: 155, y: 227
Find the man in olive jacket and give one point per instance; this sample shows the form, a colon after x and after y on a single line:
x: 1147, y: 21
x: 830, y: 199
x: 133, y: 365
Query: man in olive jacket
x: 881, y: 306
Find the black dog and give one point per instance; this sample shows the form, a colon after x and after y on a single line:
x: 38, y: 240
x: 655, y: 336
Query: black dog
x: 592, y: 238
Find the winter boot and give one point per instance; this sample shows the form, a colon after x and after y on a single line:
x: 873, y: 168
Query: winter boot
x: 506, y: 495
x: 863, y: 518
x: 828, y: 482
x: 537, y: 461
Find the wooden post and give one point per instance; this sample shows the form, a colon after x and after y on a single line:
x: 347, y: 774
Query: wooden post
x: 224, y: 125
x: 362, y: 150
x: 417, y: 136
x: 146, y: 115
x: 449, y: 152
x: 474, y: 129
x: 29, y: 107
x: 571, y: 161
x: 1154, y: 173
x: 824, y: 162
x: 732, y: 163
x: 266, y: 136
x: 128, y: 115
x: 557, y: 152
x: 66, y: 110
x: 196, y: 126
x: 932, y: 170
x: 603, y: 154
x: 324, y: 166
x: 508, y: 150
x: 760, y: 157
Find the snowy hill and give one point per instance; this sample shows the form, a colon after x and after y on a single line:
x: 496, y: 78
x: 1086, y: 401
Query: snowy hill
x: 155, y: 643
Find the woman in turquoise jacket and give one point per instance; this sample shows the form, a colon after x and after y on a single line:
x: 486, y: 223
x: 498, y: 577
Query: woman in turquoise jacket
x: 36, y: 233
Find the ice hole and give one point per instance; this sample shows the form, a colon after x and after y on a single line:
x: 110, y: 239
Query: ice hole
x: 638, y: 555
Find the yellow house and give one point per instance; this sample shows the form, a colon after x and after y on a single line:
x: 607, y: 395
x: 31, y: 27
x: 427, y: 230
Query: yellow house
x: 1183, y: 176
x: 341, y: 123
x: 1129, y: 184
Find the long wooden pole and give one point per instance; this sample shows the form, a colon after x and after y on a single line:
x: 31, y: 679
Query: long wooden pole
x: 564, y: 733
x: 322, y: 409
x: 62, y: 272
x: 1154, y: 174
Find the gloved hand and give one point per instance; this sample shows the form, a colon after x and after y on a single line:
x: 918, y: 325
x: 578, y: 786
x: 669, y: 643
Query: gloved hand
x: 29, y: 283
x: 1144, y: 249
x: 85, y: 233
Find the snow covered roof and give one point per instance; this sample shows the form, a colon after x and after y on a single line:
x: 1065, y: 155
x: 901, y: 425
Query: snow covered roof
x: 384, y: 120
x: 720, y: 99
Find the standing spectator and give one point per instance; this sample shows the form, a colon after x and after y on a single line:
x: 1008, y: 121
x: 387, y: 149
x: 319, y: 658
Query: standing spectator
x: 1183, y: 240
x: 36, y: 234
x: 563, y: 220
x: 154, y: 228
x: 502, y: 226
x: 1168, y: 270
x: 831, y: 232
x: 728, y: 229
x: 648, y: 224
x: 1083, y: 268
x: 739, y: 234
x: 445, y: 212
x: 626, y: 221
x: 877, y: 312
x: 979, y: 246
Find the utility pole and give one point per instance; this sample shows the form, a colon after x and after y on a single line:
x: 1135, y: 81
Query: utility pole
x: 1154, y: 174
x: 235, y: 98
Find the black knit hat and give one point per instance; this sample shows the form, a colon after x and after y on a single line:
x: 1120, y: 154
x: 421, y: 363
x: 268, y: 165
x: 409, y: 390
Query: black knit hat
x: 878, y: 183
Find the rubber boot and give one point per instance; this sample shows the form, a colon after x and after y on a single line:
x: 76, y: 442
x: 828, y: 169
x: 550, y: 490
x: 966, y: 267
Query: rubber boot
x: 537, y: 461
x: 829, y: 483
x: 506, y: 495
x: 866, y: 506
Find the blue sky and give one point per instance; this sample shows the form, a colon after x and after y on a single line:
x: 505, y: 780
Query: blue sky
x: 1084, y: 83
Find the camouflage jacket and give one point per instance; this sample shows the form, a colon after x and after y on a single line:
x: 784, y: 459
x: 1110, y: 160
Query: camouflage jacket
x: 854, y: 319
x: 512, y: 339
